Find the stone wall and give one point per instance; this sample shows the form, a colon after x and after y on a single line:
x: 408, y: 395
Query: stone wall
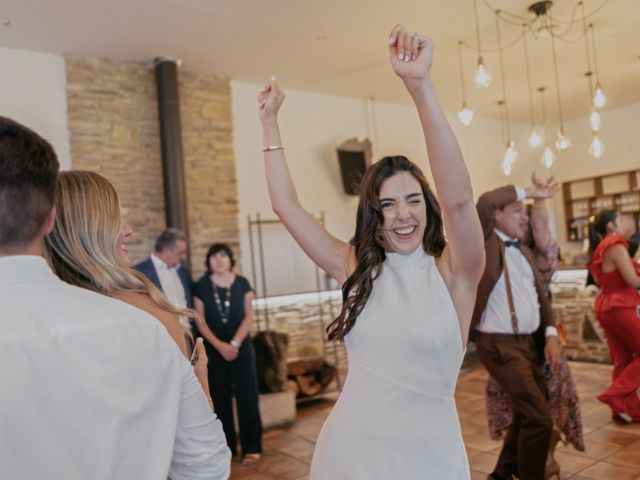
x: 304, y: 320
x: 586, y: 340
x: 210, y: 172
x: 114, y: 130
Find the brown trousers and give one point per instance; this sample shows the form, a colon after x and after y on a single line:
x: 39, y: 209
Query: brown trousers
x: 512, y: 361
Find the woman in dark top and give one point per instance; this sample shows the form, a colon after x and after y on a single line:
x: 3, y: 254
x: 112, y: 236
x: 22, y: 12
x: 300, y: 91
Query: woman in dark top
x: 223, y: 299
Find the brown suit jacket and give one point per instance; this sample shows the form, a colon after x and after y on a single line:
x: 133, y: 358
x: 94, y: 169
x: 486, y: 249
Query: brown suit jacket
x: 487, y: 204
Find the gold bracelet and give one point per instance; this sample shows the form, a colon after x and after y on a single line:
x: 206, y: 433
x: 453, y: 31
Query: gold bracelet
x: 271, y: 148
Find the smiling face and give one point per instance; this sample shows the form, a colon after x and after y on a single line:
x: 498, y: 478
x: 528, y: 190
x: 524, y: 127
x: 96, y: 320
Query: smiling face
x: 125, y: 233
x: 513, y: 220
x: 404, y: 211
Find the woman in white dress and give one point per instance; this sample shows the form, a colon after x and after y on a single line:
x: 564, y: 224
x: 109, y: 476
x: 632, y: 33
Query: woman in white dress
x: 408, y: 295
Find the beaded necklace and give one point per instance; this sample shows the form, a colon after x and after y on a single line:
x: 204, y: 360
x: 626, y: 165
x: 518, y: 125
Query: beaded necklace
x: 223, y: 306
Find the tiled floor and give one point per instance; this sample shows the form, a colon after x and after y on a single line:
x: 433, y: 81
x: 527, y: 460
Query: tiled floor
x: 613, y: 451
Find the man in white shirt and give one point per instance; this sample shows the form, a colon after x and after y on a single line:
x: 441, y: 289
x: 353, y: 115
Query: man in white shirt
x: 164, y: 269
x: 90, y: 387
x: 514, y: 329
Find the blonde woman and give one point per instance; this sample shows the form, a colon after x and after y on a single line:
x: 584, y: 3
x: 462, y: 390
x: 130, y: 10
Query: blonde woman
x: 87, y: 248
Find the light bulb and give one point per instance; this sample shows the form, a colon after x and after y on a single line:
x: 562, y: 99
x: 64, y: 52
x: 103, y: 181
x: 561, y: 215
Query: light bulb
x: 594, y: 120
x: 599, y: 98
x: 482, y: 77
x: 563, y: 142
x: 511, y: 154
x: 535, y: 139
x: 596, y: 148
x: 465, y: 114
x: 506, y: 167
x: 548, y: 157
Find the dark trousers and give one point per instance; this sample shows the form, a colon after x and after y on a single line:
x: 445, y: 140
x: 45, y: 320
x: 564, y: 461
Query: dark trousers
x: 237, y: 378
x: 513, y: 362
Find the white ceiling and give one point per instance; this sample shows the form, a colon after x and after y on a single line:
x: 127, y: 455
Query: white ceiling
x: 338, y: 46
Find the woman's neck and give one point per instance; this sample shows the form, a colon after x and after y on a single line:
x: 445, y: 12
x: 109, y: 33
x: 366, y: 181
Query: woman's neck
x: 222, y: 278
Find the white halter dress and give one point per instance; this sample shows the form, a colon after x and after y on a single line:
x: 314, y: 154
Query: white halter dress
x: 396, y: 417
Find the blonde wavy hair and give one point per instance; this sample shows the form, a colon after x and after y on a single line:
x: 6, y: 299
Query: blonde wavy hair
x: 83, y: 247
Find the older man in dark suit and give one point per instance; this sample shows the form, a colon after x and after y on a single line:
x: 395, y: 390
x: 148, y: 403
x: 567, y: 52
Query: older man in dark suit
x: 514, y: 328
x: 164, y: 270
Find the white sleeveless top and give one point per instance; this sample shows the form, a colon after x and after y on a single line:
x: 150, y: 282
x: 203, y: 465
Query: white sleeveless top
x: 396, y: 417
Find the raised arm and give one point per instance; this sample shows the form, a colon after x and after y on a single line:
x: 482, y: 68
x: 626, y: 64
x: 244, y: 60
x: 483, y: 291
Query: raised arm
x: 332, y: 255
x: 540, y: 216
x: 411, y: 55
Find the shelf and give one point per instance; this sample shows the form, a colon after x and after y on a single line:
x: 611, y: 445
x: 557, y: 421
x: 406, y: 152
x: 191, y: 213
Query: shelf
x: 583, y: 205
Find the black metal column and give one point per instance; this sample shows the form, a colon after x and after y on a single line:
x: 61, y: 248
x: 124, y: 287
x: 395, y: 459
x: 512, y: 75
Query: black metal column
x: 175, y: 203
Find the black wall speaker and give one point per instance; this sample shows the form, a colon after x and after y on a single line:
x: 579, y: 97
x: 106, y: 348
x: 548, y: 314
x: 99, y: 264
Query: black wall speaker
x: 354, y: 157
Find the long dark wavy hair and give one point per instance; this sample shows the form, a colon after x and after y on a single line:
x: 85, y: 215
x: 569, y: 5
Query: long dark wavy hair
x: 598, y: 228
x: 369, y: 243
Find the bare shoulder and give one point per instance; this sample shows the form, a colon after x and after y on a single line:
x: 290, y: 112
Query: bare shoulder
x: 144, y: 302
x: 139, y: 300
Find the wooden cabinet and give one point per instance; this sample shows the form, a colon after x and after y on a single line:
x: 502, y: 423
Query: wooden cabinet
x: 585, y: 197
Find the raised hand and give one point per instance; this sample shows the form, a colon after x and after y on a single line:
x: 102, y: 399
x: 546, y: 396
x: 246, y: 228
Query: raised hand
x: 410, y: 54
x: 542, y: 189
x: 270, y: 100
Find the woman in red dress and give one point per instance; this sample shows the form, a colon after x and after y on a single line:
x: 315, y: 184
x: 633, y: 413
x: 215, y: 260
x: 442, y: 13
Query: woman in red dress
x: 617, y: 308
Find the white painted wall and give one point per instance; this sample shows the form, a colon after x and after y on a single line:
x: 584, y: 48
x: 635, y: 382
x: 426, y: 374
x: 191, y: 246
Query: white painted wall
x: 33, y: 91
x: 313, y: 125
x: 620, y: 133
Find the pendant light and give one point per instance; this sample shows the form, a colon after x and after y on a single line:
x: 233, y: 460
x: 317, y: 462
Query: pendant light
x: 465, y: 114
x: 599, y: 98
x: 510, y: 154
x: 563, y: 142
x: 535, y: 138
x: 482, y: 76
x: 547, y: 158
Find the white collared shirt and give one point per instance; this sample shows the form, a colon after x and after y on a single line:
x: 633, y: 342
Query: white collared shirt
x: 496, y: 317
x: 93, y: 388
x: 170, y: 281
x: 171, y: 286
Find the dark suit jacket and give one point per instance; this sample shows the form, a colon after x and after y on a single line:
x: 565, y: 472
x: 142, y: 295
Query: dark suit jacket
x: 487, y: 204
x: 148, y: 269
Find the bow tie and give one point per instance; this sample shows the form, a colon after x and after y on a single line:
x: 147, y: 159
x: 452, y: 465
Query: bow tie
x: 512, y: 243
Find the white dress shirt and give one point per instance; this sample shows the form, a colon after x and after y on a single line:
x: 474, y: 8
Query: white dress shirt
x: 496, y: 317
x: 170, y: 281
x: 93, y: 388
x: 171, y: 286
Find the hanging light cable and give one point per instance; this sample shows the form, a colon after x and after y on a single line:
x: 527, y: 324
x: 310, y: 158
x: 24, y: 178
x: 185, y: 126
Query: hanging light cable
x: 465, y: 114
x: 599, y: 98
x: 510, y: 154
x: 482, y: 77
x: 594, y: 115
x: 596, y: 147
x: 535, y: 139
x: 507, y: 160
x: 548, y: 158
x: 563, y: 142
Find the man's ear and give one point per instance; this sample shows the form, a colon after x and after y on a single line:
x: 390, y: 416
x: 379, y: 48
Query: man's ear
x: 50, y: 222
x: 497, y: 215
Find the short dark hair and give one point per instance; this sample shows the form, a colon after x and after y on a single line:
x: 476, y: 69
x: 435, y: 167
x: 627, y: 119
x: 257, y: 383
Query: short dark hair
x: 168, y: 239
x: 28, y: 174
x: 219, y: 247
